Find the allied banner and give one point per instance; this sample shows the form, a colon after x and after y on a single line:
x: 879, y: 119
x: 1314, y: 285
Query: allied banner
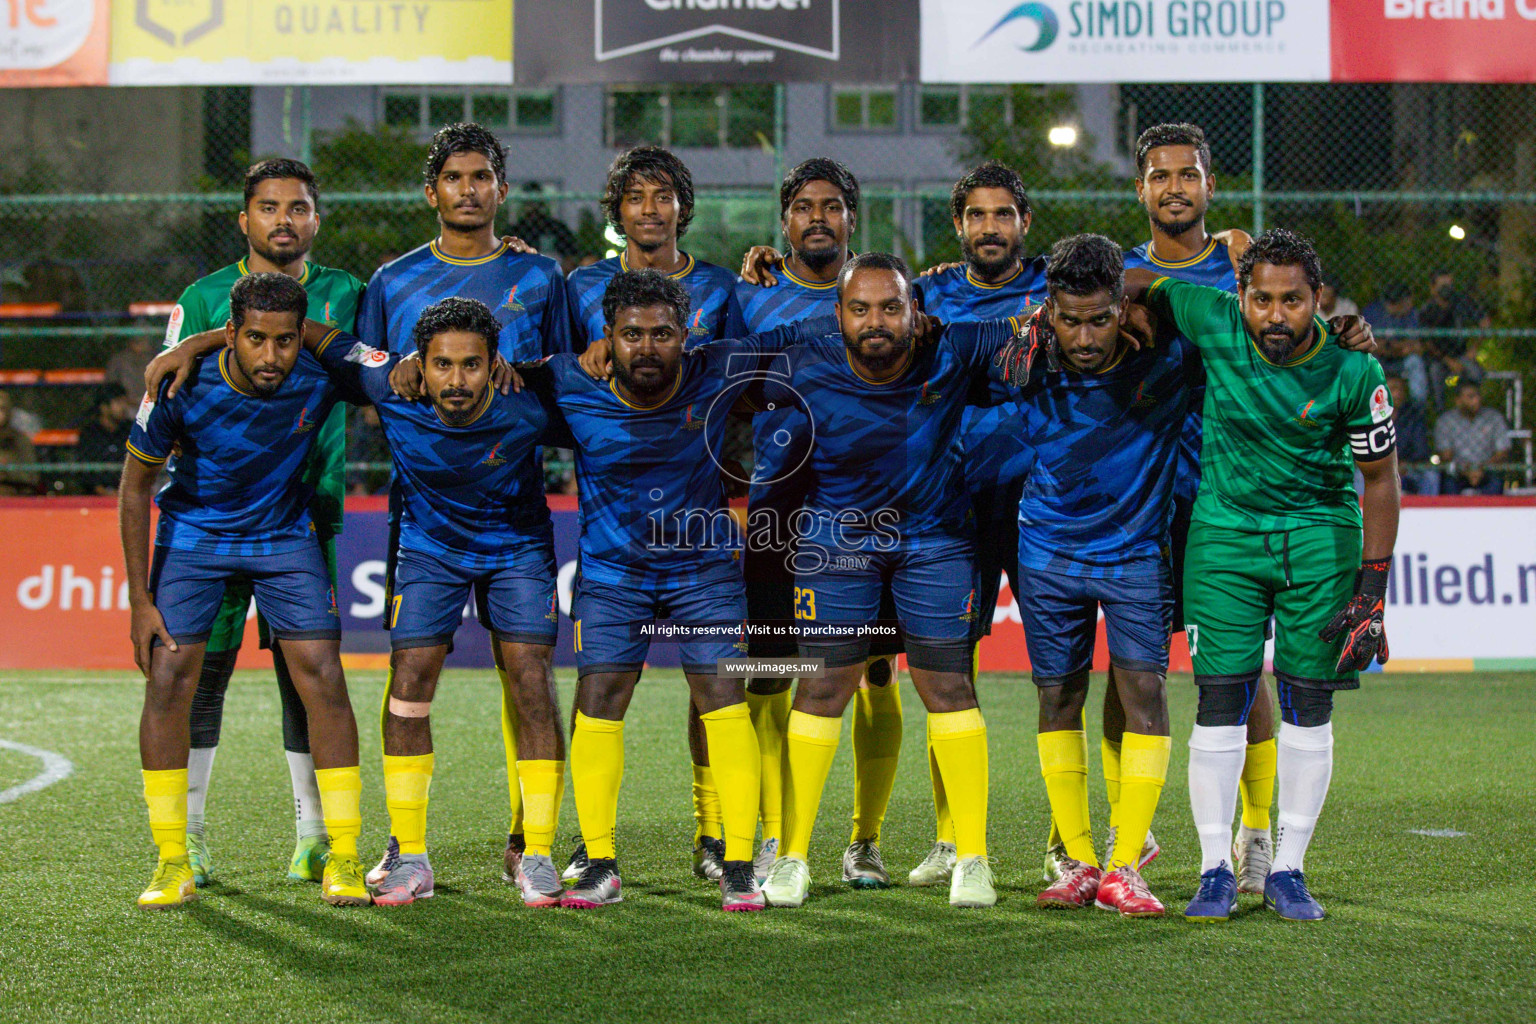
x: 575, y: 41
x: 54, y: 42
x: 1434, y: 40
x: 290, y: 42
x: 1125, y: 41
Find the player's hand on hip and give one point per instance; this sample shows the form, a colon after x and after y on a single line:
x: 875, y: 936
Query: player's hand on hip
x: 1354, y: 333
x: 757, y: 266
x: 405, y: 378
x: 518, y: 245
x: 146, y: 625
x: 597, y: 360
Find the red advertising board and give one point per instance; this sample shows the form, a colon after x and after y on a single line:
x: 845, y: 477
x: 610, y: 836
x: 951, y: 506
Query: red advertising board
x: 1434, y: 40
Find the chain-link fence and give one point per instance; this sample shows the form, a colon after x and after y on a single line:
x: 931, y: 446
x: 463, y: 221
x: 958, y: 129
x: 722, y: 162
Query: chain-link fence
x: 1403, y: 187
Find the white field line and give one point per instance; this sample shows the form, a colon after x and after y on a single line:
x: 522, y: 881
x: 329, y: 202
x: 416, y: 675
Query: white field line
x: 56, y: 768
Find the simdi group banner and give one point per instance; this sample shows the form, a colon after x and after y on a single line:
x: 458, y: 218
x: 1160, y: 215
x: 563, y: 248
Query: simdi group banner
x: 1463, y: 590
x: 53, y: 42
x: 288, y: 42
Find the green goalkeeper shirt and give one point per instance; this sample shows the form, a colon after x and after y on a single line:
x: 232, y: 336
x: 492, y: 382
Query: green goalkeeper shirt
x: 334, y: 296
x: 1280, y: 440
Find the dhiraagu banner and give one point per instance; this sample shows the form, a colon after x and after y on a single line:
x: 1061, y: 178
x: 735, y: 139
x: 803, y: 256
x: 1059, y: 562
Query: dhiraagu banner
x: 289, y: 42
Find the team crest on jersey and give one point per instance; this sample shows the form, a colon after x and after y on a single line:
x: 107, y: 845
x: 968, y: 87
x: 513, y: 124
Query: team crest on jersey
x: 1381, y: 404
x: 510, y: 303
x: 1143, y: 400
x: 926, y: 397
x: 1304, y: 413
x: 698, y: 329
x: 968, y: 607
x: 552, y: 612
x: 691, y: 420
x: 493, y: 457
x: 303, y: 424
x: 367, y: 355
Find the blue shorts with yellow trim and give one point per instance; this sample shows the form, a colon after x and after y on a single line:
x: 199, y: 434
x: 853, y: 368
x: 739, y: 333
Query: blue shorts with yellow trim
x: 516, y: 604
x: 615, y: 625
x: 292, y: 588
x: 1060, y: 613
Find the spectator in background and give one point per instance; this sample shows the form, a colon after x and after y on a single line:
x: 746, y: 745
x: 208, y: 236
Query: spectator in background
x: 1402, y: 355
x: 365, y: 443
x: 1412, y: 439
x: 1469, y: 437
x: 1450, y: 359
x: 1330, y: 303
x: 126, y: 369
x: 15, y: 449
x: 104, y: 436
x: 543, y: 230
x: 24, y: 420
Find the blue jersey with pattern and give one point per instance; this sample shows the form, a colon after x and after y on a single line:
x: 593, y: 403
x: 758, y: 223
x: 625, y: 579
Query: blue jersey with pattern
x: 653, y: 508
x: 713, y: 312
x: 525, y: 292
x: 236, y: 483
x: 1097, y: 502
x: 471, y: 495
x: 1212, y: 267
x: 781, y: 437
x: 886, y: 460
x: 996, y: 458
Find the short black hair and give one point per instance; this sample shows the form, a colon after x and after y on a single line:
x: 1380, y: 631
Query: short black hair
x: 267, y: 170
x: 874, y: 261
x: 1281, y: 248
x: 644, y: 288
x: 819, y: 168
x: 1396, y: 291
x: 267, y: 293
x: 1180, y: 134
x: 456, y: 313
x: 1085, y: 264
x: 465, y: 137
x: 653, y: 164
x: 992, y: 174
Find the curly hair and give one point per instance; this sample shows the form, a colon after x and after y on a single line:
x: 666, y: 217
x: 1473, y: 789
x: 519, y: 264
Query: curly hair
x: 465, y: 137
x: 819, y: 168
x: 632, y: 288
x: 1172, y: 135
x: 1281, y: 248
x: 659, y: 167
x: 1084, y: 264
x: 992, y: 174
x: 267, y: 170
x: 267, y: 293
x: 456, y: 314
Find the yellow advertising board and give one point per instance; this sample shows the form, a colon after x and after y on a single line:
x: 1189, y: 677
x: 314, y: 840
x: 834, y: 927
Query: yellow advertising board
x: 287, y: 42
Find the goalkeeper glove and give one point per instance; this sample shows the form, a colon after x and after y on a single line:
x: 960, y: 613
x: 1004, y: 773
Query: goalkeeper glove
x: 1360, y: 621
x: 1017, y: 359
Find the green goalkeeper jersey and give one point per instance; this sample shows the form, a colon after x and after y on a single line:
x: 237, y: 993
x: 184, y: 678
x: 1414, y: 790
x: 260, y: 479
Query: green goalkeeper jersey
x: 1280, y: 439
x: 334, y: 296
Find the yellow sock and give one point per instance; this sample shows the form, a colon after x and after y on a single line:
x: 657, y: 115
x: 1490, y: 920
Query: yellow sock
x: 1109, y: 753
x: 960, y: 747
x: 810, y: 744
x: 543, y: 787
x: 1258, y: 784
x: 1144, y: 761
x: 737, y: 775
x: 706, y: 804
x: 165, y: 793
x: 597, y: 769
x: 407, y: 781
x: 770, y: 720
x: 1064, y: 763
x: 945, y: 823
x: 876, y: 751
x: 341, y: 798
x: 509, y: 747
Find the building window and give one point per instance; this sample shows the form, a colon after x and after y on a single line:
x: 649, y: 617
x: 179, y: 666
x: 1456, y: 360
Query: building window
x: 698, y: 116
x: 512, y: 111
x: 948, y: 107
x: 858, y: 108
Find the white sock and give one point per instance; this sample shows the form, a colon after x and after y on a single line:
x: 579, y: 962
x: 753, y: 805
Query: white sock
x: 1216, y: 755
x: 1303, y: 770
x: 199, y: 771
x: 309, y: 818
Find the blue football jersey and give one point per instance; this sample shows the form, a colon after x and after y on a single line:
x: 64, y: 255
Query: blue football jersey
x: 525, y: 292
x: 236, y: 482
x: 1212, y: 267
x: 471, y: 495
x: 1107, y: 449
x: 653, y: 508
x: 713, y: 310
x: 886, y: 460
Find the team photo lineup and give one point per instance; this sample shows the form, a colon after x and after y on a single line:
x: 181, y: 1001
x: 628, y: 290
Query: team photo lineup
x: 1162, y: 432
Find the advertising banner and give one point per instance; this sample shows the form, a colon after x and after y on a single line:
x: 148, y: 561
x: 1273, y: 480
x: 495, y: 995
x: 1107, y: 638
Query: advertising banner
x: 54, y: 42
x: 575, y: 41
x: 1125, y: 41
x: 292, y: 42
x: 1434, y: 40
x: 1462, y: 596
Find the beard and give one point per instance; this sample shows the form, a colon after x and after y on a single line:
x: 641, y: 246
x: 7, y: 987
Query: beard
x: 1280, y: 343
x: 625, y: 374
x: 259, y: 387
x: 899, y: 347
x: 987, y: 269
x: 280, y: 254
x: 818, y: 259
x: 1176, y: 226
x: 455, y: 417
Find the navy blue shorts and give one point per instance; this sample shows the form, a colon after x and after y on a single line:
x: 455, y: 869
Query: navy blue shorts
x: 616, y: 624
x: 517, y: 604
x: 838, y: 596
x: 1060, y: 615
x: 293, y: 591
x: 997, y: 551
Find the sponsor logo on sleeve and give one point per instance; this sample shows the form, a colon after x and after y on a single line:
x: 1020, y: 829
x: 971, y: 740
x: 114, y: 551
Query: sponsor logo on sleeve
x: 367, y: 355
x: 1381, y: 404
x: 146, y: 406
x: 173, y: 326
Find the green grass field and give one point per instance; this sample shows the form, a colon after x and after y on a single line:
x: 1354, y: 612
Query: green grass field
x: 1420, y: 928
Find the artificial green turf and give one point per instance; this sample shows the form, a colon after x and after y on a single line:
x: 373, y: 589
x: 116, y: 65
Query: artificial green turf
x: 1420, y: 929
